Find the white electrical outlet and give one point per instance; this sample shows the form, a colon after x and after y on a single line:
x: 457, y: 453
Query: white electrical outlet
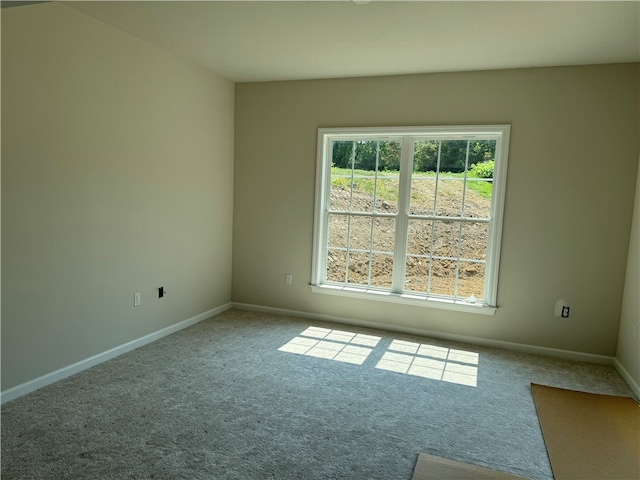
x: 288, y: 279
x: 561, y: 309
x: 634, y: 330
x: 137, y: 299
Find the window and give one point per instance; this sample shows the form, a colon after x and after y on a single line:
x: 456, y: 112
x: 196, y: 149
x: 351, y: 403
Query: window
x: 411, y: 214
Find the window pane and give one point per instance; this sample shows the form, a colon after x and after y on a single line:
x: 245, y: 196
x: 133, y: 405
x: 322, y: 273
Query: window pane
x: 381, y: 270
x: 340, y: 193
x: 477, y: 201
x: 480, y: 152
x: 384, y: 234
x: 445, y: 239
x: 471, y: 280
x: 417, y: 273
x: 449, y: 201
x: 362, y: 190
x: 353, y: 193
x: 336, y: 265
x: 358, y: 268
x: 474, y: 241
x: 425, y: 156
x: 419, y: 237
x: 482, y: 155
x: 360, y: 233
x: 453, y: 154
x: 443, y: 277
x: 356, y: 167
x: 390, y: 153
x: 366, y: 154
x: 341, y: 154
x: 387, y: 194
x: 337, y: 231
x: 422, y: 194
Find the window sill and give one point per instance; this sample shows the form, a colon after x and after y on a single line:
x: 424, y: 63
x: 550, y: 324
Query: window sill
x: 404, y: 298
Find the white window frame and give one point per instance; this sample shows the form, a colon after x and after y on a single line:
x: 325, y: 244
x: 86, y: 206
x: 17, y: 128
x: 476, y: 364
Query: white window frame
x: 500, y: 133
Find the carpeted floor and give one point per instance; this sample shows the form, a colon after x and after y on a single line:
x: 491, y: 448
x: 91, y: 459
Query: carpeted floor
x: 255, y: 396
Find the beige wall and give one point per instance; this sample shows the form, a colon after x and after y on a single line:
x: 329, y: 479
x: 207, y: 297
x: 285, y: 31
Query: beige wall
x: 628, y: 347
x: 628, y: 354
x: 570, y: 190
x: 117, y: 177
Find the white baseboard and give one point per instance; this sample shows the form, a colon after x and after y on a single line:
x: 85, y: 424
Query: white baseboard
x: 32, y: 385
x: 487, y: 342
x: 627, y: 377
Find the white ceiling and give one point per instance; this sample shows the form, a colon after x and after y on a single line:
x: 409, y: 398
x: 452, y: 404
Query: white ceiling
x: 268, y: 40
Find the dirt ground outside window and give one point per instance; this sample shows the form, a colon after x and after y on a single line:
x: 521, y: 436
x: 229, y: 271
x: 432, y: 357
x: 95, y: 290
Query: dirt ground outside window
x: 425, y: 237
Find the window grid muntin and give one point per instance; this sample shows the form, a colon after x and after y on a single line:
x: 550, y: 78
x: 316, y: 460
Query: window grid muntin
x: 498, y: 133
x: 464, y: 192
x: 375, y: 191
x: 416, y: 255
x: 353, y: 161
x: 433, y: 223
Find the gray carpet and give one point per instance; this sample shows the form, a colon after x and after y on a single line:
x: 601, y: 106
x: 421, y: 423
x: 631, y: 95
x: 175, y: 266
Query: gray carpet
x: 222, y: 400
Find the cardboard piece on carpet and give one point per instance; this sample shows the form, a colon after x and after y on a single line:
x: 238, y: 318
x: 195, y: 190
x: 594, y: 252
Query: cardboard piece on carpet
x: 589, y: 435
x: 429, y: 467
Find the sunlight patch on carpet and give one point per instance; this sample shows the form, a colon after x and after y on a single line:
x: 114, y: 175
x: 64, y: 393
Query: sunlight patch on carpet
x: 430, y: 361
x: 410, y: 358
x: 338, y: 345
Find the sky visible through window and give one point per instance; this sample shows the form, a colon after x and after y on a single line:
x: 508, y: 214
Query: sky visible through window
x: 409, y: 358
